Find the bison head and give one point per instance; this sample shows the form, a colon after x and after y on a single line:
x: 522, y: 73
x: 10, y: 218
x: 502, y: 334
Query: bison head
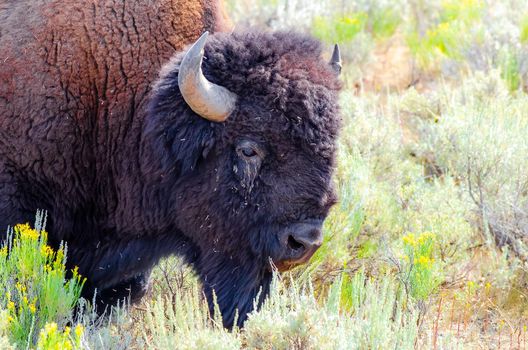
x: 241, y: 140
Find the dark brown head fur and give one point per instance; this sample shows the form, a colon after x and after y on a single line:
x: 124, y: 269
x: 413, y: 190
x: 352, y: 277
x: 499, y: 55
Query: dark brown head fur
x: 236, y: 210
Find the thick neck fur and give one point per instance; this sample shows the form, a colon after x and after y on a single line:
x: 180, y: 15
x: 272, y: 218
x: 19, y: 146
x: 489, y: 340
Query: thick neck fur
x: 78, y: 79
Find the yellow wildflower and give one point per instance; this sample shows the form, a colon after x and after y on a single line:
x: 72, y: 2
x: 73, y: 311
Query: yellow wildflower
x: 426, y: 236
x: 79, y: 330
x: 471, y: 286
x: 350, y: 20
x: 50, y: 327
x: 59, y: 258
x: 75, y: 271
x: 23, y: 227
x: 409, y: 239
x: 22, y: 288
x: 32, y: 308
x: 46, y: 251
x: 424, y: 261
x: 26, y: 231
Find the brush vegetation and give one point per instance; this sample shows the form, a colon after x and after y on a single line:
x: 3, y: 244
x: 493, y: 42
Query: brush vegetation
x: 428, y: 245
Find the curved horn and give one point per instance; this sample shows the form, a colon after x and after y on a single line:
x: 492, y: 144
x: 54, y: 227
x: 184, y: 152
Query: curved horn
x: 335, y: 61
x: 210, y: 101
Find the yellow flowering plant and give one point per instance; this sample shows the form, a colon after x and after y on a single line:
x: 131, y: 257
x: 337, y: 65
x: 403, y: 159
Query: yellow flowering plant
x: 33, y: 285
x: 419, y: 266
x: 51, y: 337
x: 457, y: 26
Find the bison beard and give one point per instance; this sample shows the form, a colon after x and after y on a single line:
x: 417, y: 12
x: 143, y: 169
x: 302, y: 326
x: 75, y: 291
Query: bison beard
x: 130, y: 181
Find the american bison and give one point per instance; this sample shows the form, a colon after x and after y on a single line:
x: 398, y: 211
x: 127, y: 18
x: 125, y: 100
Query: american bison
x: 224, y: 158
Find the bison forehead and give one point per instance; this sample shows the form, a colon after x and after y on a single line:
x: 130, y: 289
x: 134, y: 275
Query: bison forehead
x: 286, y: 84
x: 263, y: 63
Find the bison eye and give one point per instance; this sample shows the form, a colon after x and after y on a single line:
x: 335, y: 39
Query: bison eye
x: 249, y: 157
x: 248, y: 149
x: 248, y: 152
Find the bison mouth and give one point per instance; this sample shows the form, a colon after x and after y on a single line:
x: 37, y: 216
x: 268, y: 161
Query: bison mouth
x: 299, y: 242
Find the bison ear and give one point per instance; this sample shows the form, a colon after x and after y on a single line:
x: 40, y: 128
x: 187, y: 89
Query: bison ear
x: 177, y: 142
x: 191, y: 142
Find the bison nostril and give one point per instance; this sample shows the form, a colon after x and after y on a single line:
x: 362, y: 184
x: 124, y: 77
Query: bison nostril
x: 294, y: 244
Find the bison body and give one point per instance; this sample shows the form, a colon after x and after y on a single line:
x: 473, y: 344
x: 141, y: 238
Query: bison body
x: 129, y: 173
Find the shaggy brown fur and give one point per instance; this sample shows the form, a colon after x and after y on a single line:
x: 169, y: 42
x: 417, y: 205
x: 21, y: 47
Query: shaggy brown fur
x: 83, y: 69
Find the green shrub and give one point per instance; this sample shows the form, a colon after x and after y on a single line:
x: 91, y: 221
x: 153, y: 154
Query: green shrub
x: 182, y: 321
x: 480, y: 139
x: 450, y: 36
x: 341, y: 29
x: 34, y: 289
x: 384, y: 22
x: 358, y: 313
x: 465, y: 11
x: 420, y: 269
